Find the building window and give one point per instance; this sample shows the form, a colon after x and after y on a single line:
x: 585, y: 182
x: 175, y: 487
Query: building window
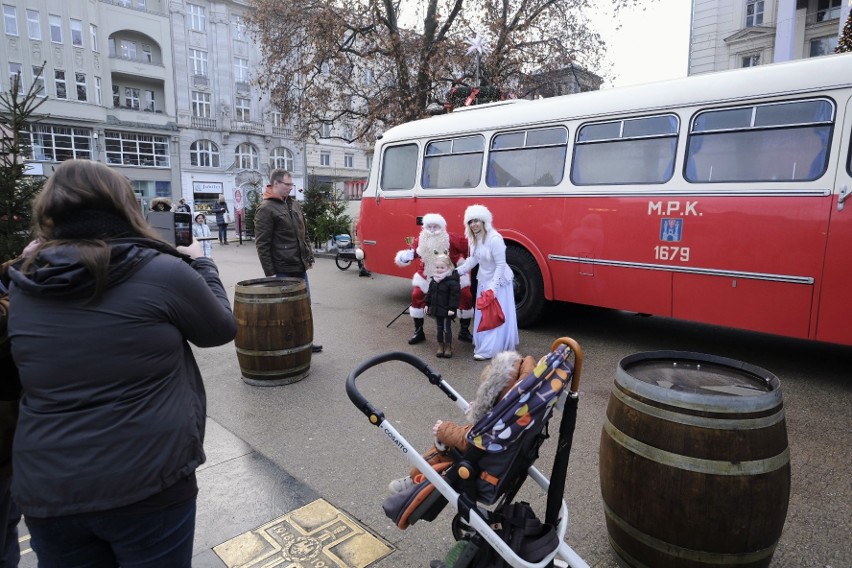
x: 55, y: 29
x: 281, y: 158
x: 33, y: 24
x: 325, y: 158
x: 197, y: 19
x: 82, y: 91
x: 131, y: 98
x: 325, y: 130
x: 38, y: 81
x: 246, y: 155
x: 277, y: 118
x: 198, y: 59
x: 60, y: 143
x: 242, y: 111
x: 826, y: 10
x: 128, y: 49
x: 10, y: 19
x: 116, y: 96
x: 149, y: 101
x: 204, y: 154
x: 241, y: 70
x: 239, y: 28
x: 59, y: 79
x: 823, y: 46
x: 348, y: 161
x: 147, y: 54
x: 76, y: 33
x: 99, y: 99
x: 93, y: 32
x: 16, y: 76
x: 751, y: 60
x: 201, y: 105
x: 754, y: 13
x: 130, y: 149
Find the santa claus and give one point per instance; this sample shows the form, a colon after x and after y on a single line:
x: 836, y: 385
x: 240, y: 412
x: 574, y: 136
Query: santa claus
x: 432, y: 241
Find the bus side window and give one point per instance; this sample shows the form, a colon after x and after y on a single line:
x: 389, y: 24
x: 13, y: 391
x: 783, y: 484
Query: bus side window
x: 526, y: 158
x: 629, y: 151
x: 453, y: 163
x: 399, y: 167
x: 771, y: 142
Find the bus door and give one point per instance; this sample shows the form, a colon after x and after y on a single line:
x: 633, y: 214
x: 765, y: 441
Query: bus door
x: 834, y: 322
x: 388, y: 208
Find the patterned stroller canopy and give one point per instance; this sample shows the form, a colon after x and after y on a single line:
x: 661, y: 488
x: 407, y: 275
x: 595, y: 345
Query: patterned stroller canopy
x: 527, y: 404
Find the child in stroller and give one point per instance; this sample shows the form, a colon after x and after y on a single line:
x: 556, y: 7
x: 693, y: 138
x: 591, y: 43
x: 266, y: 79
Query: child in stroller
x: 497, y: 378
x: 481, y: 484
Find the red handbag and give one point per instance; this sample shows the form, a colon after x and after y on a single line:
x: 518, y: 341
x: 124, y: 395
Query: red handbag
x: 492, y: 315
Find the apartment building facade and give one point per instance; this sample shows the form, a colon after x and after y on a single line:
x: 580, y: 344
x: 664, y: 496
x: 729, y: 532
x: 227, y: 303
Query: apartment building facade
x: 162, y: 91
x: 727, y: 34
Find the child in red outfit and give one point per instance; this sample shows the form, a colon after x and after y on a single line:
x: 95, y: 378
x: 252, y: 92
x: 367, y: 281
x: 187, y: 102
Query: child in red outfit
x: 505, y: 369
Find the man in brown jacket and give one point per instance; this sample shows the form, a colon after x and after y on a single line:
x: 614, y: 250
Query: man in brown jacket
x: 280, y: 233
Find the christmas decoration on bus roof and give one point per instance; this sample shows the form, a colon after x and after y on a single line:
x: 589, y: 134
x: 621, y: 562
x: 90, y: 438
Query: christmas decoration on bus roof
x: 462, y: 95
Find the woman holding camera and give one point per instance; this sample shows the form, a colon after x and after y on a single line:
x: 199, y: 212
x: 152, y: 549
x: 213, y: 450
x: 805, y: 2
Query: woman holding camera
x: 112, y: 416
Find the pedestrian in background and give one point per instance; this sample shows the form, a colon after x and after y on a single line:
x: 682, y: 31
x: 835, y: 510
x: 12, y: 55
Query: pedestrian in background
x: 200, y: 230
x: 488, y: 250
x: 112, y: 417
x: 280, y: 233
x: 161, y: 204
x: 183, y: 207
x: 220, y: 209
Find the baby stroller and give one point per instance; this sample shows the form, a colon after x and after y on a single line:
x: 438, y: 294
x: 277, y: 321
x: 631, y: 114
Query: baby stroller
x: 482, y: 483
x: 347, y: 252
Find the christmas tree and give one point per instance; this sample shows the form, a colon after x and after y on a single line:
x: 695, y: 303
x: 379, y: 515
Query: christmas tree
x: 844, y: 45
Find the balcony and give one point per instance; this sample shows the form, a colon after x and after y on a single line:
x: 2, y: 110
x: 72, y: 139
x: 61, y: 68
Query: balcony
x: 282, y: 132
x: 203, y: 123
x: 137, y: 67
x: 247, y: 126
x: 823, y: 16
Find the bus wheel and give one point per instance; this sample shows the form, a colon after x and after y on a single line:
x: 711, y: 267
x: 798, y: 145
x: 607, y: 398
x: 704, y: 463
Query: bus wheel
x: 529, y: 287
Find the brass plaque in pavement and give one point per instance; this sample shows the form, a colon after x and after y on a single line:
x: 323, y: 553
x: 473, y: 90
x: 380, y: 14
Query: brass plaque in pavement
x: 314, y: 536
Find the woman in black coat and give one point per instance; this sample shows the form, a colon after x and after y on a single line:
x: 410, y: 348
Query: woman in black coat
x: 220, y: 209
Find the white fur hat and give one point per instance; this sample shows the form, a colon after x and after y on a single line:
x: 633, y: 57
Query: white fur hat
x: 434, y: 219
x: 478, y: 212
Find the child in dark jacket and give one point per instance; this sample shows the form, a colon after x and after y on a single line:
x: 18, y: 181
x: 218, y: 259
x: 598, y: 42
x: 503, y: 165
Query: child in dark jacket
x: 442, y: 302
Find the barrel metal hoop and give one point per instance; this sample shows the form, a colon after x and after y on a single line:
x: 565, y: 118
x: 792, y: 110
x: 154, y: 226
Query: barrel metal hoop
x: 289, y: 371
x: 699, y: 421
x: 699, y: 465
x: 710, y: 558
x: 275, y: 353
x: 268, y: 300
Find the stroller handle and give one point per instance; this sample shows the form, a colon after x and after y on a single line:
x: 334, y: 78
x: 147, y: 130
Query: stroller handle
x: 578, y: 361
x: 375, y: 415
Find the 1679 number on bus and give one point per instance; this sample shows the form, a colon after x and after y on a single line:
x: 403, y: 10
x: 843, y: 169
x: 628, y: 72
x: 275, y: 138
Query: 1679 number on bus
x: 663, y: 252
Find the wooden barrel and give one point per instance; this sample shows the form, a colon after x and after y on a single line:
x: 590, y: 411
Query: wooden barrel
x: 275, y: 330
x: 694, y: 462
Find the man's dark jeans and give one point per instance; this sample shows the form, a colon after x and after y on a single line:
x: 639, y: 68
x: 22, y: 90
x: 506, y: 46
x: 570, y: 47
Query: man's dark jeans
x: 160, y: 539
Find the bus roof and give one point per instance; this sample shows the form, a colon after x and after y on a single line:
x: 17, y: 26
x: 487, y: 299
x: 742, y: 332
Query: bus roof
x: 800, y: 76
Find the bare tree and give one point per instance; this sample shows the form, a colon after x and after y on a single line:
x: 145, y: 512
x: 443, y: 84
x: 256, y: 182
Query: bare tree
x: 353, y: 64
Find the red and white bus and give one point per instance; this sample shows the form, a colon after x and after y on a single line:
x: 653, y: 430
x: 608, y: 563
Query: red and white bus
x: 716, y: 198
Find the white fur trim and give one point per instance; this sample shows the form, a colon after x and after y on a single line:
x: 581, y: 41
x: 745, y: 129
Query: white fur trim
x: 403, y: 258
x: 493, y: 380
x: 466, y: 314
x: 417, y: 312
x: 434, y: 219
x: 478, y: 212
x: 418, y: 281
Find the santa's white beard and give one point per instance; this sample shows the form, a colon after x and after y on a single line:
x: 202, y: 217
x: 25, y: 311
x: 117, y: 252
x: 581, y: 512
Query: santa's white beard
x: 429, y: 246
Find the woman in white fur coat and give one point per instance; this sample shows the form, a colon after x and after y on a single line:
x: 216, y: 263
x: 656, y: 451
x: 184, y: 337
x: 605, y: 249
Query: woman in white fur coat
x: 488, y: 250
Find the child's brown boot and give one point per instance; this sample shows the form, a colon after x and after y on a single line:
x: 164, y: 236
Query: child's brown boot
x: 448, y: 351
x: 441, y: 347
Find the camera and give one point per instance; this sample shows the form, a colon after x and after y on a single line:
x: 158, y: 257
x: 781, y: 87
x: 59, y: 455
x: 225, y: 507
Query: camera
x: 174, y: 227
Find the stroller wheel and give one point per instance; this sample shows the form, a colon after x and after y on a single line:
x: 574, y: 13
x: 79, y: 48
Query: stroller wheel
x: 342, y: 263
x: 462, y: 530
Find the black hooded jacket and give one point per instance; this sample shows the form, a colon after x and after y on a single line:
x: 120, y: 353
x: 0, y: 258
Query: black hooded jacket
x: 114, y: 407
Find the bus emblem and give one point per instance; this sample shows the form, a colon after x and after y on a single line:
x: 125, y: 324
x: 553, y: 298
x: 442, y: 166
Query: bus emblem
x: 671, y: 230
